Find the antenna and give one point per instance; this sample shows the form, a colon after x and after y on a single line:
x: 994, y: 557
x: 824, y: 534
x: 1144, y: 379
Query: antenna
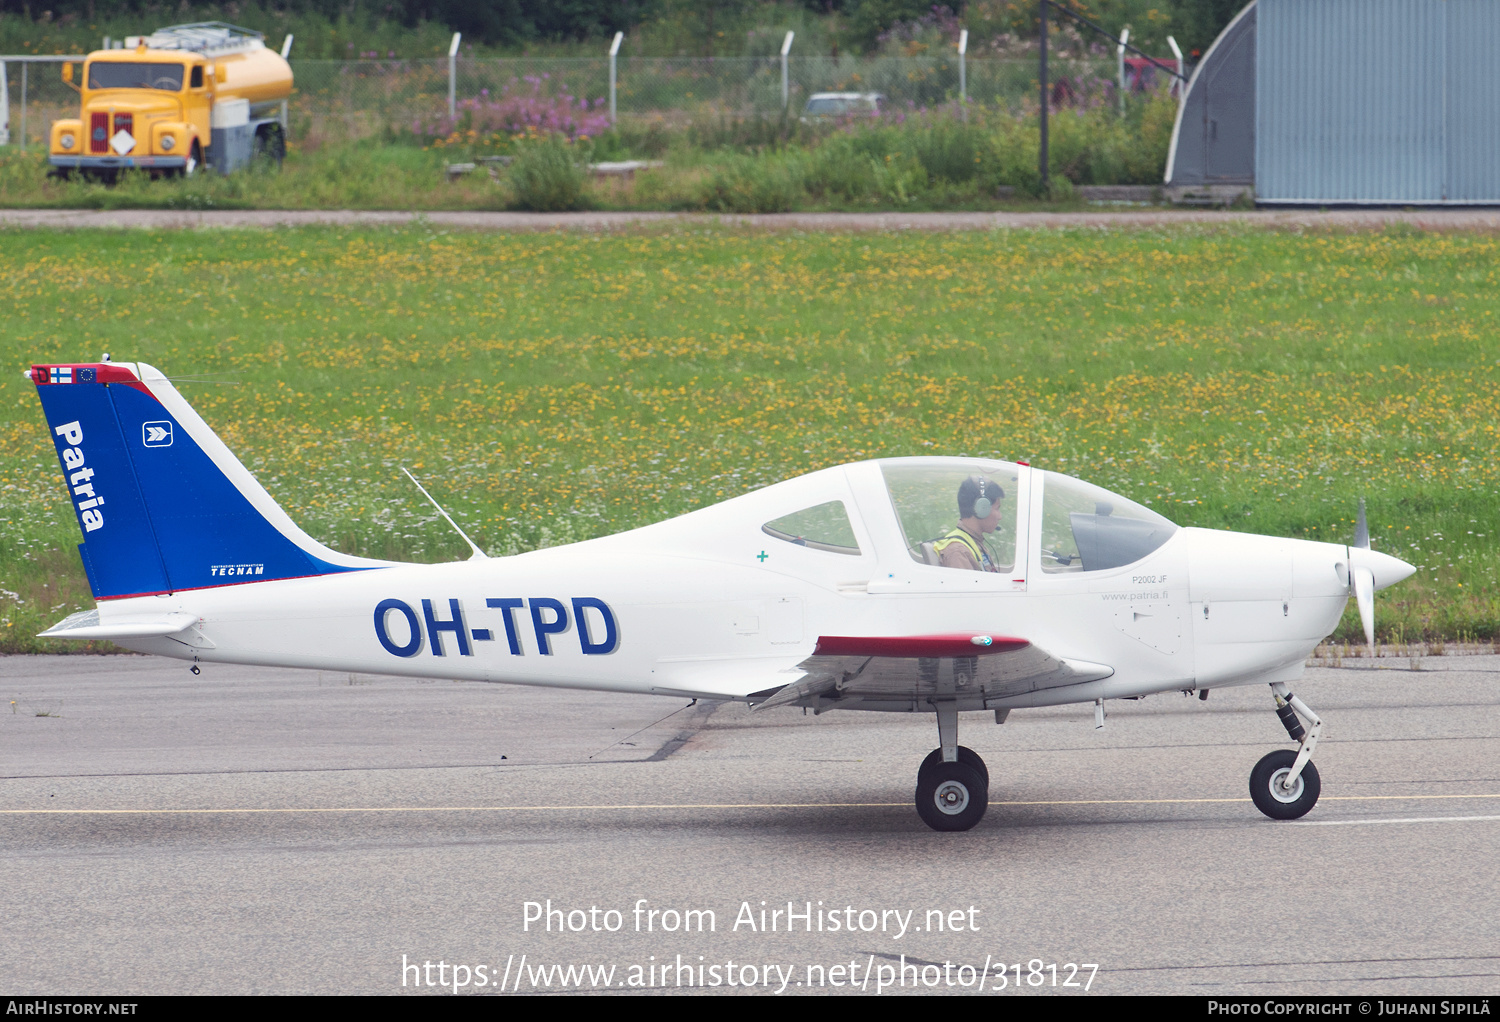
x: 478, y: 555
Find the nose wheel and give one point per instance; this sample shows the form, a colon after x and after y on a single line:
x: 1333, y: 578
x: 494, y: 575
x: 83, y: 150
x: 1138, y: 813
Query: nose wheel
x: 953, y: 784
x: 1284, y: 784
x: 1277, y: 793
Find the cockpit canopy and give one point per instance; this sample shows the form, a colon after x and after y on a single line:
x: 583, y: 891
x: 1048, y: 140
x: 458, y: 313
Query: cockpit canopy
x: 977, y: 515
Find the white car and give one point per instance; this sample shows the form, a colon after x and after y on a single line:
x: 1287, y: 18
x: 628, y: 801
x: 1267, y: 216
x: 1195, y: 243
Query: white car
x: 827, y: 105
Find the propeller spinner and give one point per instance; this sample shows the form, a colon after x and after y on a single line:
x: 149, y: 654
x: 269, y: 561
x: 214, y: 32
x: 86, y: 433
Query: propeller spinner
x: 1370, y: 570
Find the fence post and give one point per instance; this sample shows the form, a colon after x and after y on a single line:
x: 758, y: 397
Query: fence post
x: 1181, y: 68
x: 786, y: 95
x: 453, y: 76
x: 24, y: 65
x: 614, y: 53
x: 1120, y: 63
x: 286, y: 49
x: 963, y: 79
x: 4, y: 105
x: 1041, y: 159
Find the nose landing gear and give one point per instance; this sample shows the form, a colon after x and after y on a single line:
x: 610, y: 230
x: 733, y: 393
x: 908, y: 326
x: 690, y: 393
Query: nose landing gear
x: 1284, y: 784
x: 953, y: 784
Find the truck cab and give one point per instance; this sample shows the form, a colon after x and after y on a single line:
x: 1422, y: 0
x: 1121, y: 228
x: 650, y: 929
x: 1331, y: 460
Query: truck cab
x: 185, y: 97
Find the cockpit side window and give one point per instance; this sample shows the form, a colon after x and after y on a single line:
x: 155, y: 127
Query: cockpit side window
x: 821, y: 527
x: 1086, y: 528
x: 927, y: 502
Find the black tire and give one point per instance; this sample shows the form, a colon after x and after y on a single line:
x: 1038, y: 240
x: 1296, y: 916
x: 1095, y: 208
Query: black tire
x: 1265, y: 792
x: 965, y: 755
x: 952, y: 797
x: 194, y: 161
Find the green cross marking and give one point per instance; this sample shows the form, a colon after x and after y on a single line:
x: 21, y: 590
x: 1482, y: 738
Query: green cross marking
x: 762, y: 556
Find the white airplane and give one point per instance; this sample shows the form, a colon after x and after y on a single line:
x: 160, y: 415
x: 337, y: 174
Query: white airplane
x: 849, y: 588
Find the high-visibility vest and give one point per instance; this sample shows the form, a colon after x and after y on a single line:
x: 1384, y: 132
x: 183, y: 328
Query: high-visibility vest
x: 958, y: 535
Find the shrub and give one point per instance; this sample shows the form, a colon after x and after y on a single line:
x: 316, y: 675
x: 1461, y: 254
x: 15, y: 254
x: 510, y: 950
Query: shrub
x: 547, y: 175
x: 744, y: 184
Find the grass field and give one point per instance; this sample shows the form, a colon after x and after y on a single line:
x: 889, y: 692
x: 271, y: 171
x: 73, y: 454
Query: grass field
x: 556, y: 387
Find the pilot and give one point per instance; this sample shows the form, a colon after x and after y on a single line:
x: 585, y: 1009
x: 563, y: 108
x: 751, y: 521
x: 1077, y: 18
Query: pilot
x: 965, y: 545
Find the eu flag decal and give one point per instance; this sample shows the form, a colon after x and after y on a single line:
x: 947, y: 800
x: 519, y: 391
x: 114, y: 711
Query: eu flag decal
x: 86, y: 375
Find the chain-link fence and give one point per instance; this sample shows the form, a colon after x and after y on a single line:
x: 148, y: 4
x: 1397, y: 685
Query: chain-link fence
x: 32, y: 96
x: 359, y: 99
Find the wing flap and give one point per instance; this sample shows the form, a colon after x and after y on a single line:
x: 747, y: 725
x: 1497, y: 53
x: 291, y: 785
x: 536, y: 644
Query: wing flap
x: 853, y: 669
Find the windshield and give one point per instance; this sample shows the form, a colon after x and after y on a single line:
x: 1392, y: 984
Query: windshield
x: 135, y: 74
x: 1086, y: 528
x: 945, y: 523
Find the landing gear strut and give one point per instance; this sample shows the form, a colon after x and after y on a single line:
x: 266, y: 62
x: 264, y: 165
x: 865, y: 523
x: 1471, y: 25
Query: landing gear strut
x: 1284, y: 784
x: 953, y: 784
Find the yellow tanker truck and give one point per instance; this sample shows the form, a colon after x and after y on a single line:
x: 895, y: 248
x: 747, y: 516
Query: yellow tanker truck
x: 186, y: 97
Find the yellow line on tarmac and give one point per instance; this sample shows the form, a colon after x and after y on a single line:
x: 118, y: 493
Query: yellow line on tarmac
x: 448, y: 809
x: 1186, y: 801
x: 678, y: 805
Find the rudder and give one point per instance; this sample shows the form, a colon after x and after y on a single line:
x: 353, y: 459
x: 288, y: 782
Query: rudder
x: 162, y: 504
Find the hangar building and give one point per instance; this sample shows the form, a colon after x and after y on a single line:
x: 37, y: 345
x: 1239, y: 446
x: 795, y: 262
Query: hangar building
x: 1345, y: 101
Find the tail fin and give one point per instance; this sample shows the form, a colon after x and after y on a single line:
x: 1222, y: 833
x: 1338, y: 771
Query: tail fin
x: 162, y: 503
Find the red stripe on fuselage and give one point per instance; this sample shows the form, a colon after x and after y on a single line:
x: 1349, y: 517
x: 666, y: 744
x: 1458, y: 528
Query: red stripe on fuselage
x: 961, y: 645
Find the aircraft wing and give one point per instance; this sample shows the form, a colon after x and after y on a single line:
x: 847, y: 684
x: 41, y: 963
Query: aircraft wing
x: 970, y: 669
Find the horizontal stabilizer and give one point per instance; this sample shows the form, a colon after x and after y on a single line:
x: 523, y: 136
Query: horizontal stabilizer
x: 86, y: 625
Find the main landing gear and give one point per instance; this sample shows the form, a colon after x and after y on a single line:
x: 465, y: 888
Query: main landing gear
x: 953, y: 784
x: 1284, y: 784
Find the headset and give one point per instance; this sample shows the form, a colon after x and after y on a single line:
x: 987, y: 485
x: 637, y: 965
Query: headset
x: 984, y: 505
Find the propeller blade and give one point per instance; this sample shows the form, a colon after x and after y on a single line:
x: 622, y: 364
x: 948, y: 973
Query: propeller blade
x: 1361, y: 529
x: 1364, y: 597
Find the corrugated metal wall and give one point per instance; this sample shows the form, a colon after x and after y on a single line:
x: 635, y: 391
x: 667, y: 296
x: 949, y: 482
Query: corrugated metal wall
x: 1473, y: 124
x: 1378, y: 101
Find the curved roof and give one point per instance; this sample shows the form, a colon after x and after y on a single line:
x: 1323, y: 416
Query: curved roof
x: 1213, y: 141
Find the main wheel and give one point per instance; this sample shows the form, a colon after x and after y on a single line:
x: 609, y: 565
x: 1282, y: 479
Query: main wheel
x: 1276, y: 801
x: 952, y: 796
x: 965, y: 755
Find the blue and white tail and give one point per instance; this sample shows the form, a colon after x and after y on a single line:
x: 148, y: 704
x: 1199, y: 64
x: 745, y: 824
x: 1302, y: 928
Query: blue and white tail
x: 163, y: 504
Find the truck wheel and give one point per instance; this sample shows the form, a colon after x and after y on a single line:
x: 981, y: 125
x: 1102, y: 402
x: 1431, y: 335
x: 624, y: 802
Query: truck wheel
x: 194, y: 160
